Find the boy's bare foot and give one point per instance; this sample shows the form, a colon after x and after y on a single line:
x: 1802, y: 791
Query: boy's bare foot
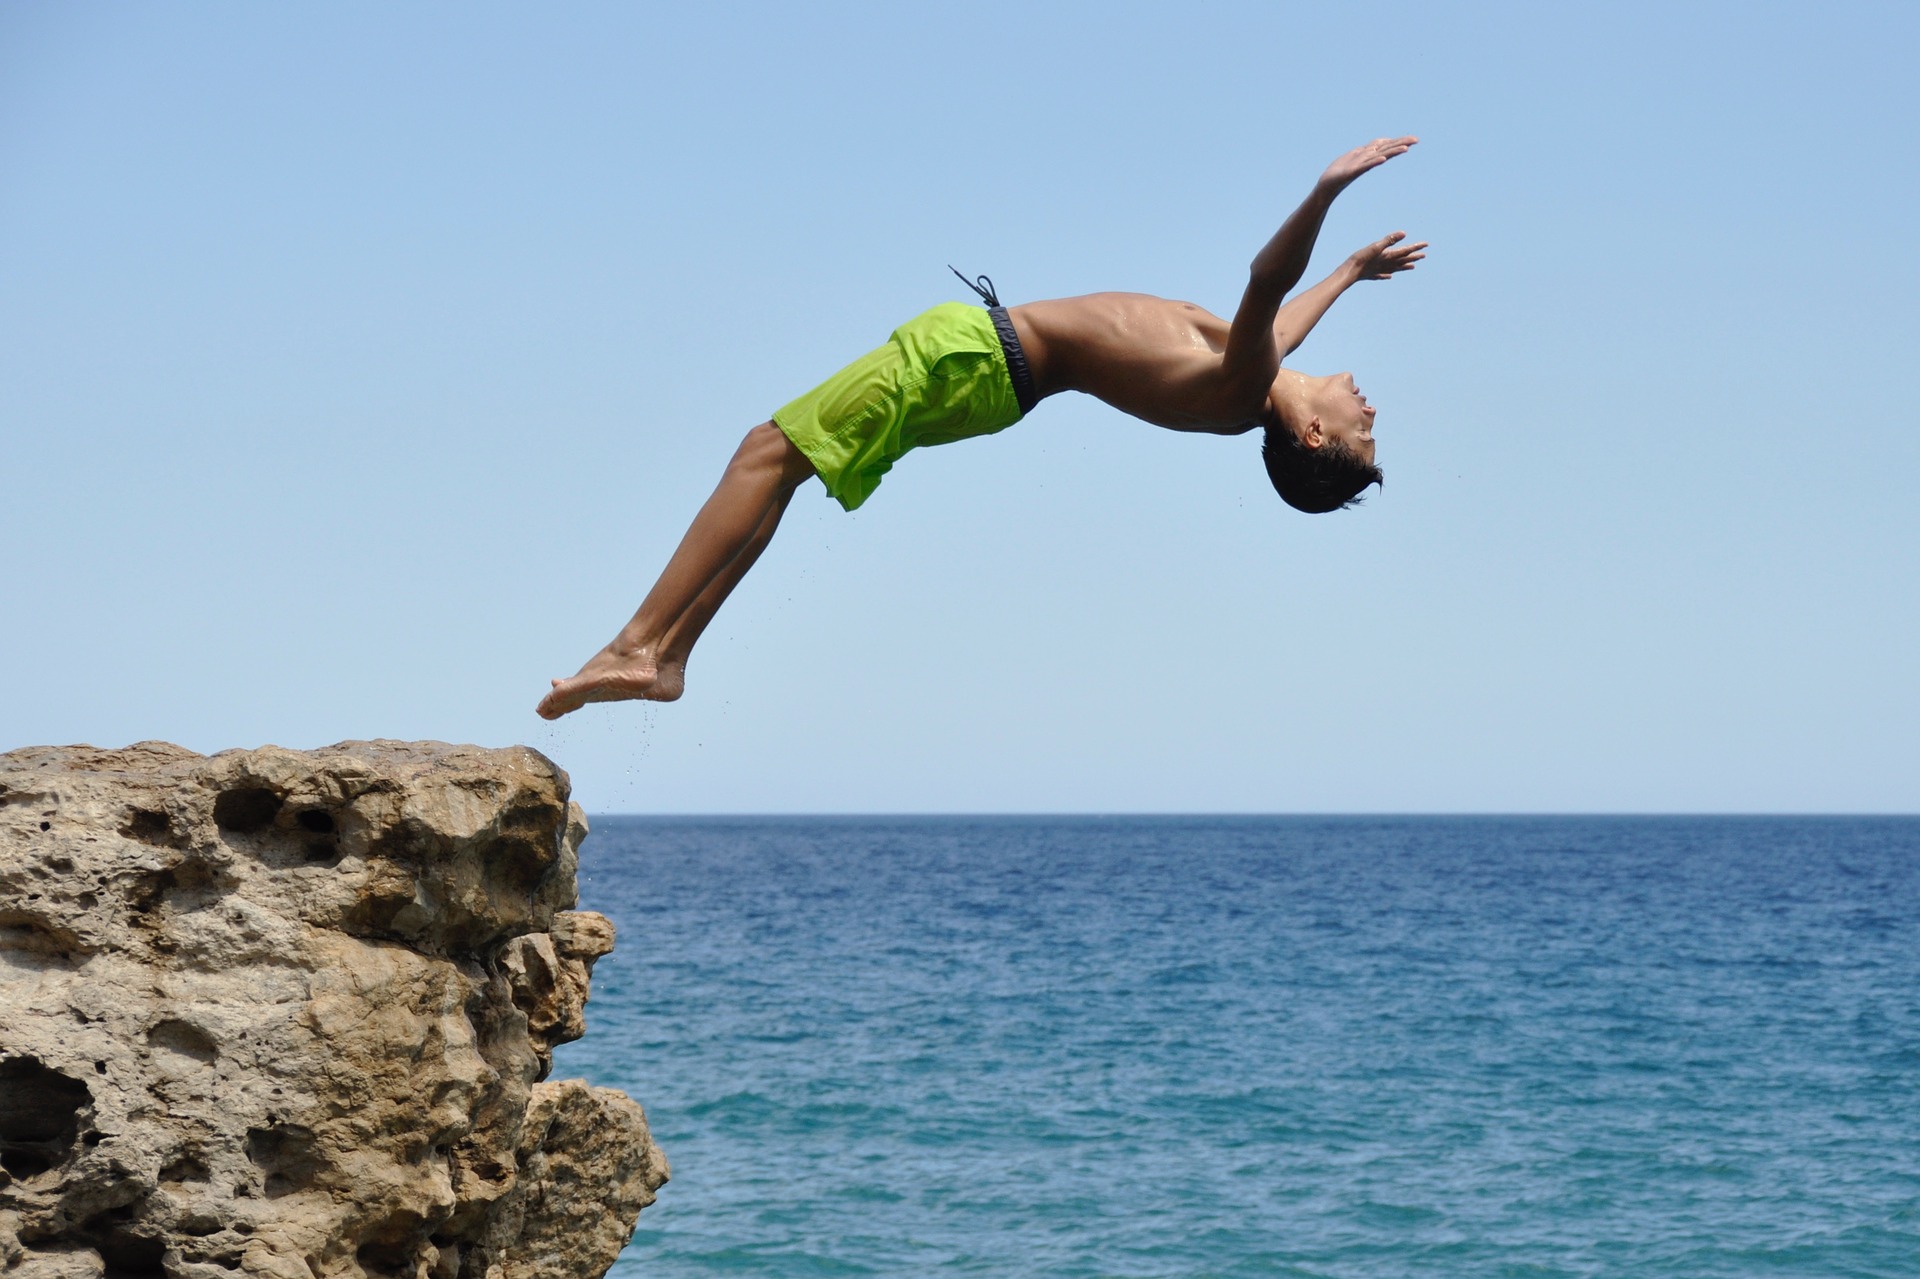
x: 615, y: 677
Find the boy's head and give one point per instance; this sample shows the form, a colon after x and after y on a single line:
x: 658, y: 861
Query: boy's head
x: 1319, y: 441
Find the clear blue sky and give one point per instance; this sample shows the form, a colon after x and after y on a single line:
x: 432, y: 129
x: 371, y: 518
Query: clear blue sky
x: 360, y: 364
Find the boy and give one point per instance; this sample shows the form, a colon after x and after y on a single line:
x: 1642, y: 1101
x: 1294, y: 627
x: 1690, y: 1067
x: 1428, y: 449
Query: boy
x: 957, y: 371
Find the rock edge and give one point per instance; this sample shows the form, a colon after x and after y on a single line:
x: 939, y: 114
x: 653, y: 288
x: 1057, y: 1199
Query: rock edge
x: 290, y: 1014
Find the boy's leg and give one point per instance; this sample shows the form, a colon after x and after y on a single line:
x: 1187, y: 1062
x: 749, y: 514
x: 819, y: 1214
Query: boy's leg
x: 693, y: 623
x: 647, y: 658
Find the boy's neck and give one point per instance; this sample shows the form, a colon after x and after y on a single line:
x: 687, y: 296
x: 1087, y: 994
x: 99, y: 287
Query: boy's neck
x: 1287, y: 403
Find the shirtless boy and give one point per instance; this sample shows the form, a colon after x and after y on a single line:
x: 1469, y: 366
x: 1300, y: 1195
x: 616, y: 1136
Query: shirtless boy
x: 958, y: 371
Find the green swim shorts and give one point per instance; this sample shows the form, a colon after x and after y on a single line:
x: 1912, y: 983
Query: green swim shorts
x: 941, y: 377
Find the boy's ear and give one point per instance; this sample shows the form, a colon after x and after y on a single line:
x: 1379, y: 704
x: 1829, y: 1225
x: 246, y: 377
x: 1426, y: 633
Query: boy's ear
x: 1315, y: 435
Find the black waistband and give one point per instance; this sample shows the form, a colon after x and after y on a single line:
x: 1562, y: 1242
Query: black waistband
x: 1009, y: 341
x: 1016, y: 359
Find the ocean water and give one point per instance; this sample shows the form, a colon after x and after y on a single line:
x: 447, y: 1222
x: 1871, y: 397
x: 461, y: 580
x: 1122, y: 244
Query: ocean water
x: 1266, y: 1046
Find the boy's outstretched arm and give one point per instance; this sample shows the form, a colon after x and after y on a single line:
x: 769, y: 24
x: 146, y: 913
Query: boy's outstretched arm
x: 1380, y: 260
x: 1252, y: 356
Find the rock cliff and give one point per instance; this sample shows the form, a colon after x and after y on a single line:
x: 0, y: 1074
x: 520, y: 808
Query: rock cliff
x: 287, y: 1014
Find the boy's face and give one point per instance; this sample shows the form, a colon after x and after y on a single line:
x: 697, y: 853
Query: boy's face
x: 1335, y: 410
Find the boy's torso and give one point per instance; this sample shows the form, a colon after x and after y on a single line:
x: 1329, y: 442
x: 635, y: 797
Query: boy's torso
x: 1151, y: 357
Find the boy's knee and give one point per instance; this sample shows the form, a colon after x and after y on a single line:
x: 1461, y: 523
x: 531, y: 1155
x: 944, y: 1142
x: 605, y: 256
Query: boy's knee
x: 768, y: 448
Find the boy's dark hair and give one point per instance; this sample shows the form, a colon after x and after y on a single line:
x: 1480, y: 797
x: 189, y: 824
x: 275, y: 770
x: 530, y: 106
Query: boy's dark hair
x: 1316, y: 481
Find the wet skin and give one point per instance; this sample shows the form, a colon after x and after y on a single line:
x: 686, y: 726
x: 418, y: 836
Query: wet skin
x: 1163, y: 361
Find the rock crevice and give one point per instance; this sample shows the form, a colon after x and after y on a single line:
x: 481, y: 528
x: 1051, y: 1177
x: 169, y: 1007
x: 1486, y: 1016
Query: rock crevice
x: 290, y: 1014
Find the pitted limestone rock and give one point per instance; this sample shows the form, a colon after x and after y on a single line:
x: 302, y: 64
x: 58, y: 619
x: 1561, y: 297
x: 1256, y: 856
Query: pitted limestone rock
x: 287, y: 1014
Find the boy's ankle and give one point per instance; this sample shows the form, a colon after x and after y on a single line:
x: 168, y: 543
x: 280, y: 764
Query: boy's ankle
x: 632, y: 651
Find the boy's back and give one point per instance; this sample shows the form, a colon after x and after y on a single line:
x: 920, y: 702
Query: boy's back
x: 1150, y: 357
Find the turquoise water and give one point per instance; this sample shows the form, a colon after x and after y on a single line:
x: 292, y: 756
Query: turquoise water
x: 1260, y: 1046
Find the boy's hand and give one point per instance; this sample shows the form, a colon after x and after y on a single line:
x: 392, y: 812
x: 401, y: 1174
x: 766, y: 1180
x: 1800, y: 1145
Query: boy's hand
x: 1341, y: 173
x: 1385, y: 256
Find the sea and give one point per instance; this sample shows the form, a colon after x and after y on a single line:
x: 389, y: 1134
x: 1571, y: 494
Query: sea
x: 1370, y: 1048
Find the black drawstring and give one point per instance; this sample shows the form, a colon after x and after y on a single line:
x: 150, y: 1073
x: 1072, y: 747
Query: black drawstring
x: 984, y: 288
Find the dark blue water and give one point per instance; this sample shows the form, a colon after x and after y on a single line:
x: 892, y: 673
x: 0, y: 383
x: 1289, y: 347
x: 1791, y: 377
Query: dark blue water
x: 1258, y: 1046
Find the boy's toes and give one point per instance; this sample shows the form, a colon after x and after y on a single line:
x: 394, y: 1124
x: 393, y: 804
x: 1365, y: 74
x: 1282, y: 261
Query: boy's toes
x: 553, y: 705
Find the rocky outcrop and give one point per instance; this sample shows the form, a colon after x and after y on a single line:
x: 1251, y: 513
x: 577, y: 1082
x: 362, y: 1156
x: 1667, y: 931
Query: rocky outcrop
x: 287, y: 1014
